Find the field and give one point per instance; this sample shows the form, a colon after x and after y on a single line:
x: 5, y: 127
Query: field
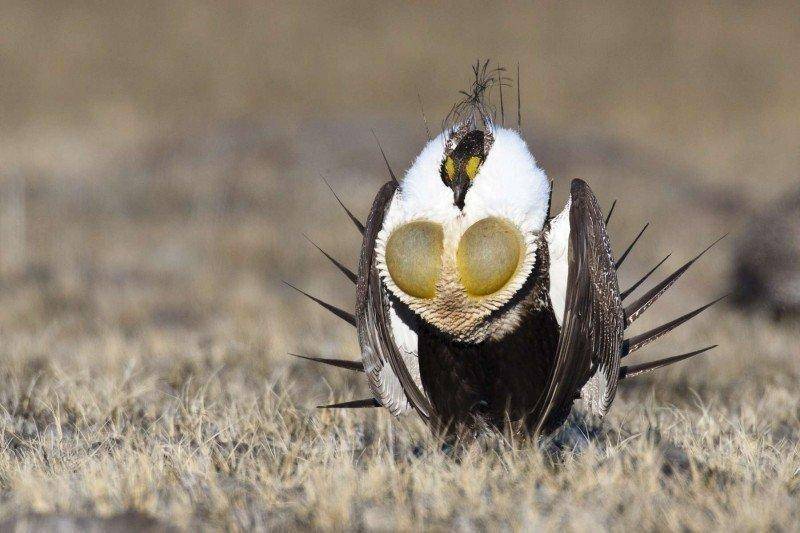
x: 160, y: 164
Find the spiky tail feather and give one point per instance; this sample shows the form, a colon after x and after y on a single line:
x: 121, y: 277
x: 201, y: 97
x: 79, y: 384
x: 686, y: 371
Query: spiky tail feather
x: 341, y: 313
x: 630, y: 371
x: 356, y: 366
x: 383, y: 154
x: 359, y: 226
x: 352, y: 404
x: 610, y: 211
x: 629, y: 248
x: 343, y: 269
x: 635, y: 310
x: 635, y: 286
x: 639, y: 341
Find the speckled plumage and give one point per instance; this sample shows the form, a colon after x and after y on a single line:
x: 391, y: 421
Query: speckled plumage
x: 522, y: 353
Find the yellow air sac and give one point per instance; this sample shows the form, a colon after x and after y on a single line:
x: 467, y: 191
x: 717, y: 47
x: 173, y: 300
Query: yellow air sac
x: 488, y: 255
x: 414, y: 258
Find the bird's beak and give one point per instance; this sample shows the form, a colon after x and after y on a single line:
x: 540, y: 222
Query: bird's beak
x: 460, y: 188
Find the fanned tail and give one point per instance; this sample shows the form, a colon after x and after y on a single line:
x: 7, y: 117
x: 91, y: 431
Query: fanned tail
x: 356, y: 366
x: 634, y: 343
x: 635, y: 310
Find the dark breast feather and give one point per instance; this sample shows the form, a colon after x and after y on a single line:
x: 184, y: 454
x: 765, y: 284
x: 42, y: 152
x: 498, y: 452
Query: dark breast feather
x: 495, y: 381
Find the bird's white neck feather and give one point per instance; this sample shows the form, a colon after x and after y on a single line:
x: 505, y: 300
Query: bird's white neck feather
x: 509, y: 184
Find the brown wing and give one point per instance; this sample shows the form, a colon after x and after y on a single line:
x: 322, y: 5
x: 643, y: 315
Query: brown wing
x: 590, y: 343
x: 389, y: 376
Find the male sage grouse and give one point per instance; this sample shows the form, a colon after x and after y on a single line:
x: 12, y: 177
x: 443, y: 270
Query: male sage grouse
x: 474, y: 307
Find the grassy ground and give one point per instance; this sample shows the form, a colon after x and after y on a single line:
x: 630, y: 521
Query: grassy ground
x: 154, y: 192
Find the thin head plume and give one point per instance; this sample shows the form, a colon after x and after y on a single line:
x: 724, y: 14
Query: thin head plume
x: 476, y: 97
x: 424, y: 118
x: 359, y: 226
x: 519, y: 101
x: 502, y: 107
x: 383, y: 154
x: 474, y: 105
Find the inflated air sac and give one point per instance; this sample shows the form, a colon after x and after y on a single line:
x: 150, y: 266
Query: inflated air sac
x: 414, y: 258
x: 488, y: 255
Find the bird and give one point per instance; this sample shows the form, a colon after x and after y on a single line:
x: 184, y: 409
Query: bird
x: 766, y: 260
x: 475, y: 308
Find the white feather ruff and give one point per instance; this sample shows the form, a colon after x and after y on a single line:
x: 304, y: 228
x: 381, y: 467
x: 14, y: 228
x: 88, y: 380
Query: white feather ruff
x: 508, y: 185
x: 558, y: 248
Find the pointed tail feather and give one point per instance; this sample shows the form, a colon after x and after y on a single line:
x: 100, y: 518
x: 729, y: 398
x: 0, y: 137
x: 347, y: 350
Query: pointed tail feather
x: 634, y: 370
x: 634, y: 343
x: 608, y: 216
x: 635, y: 310
x: 344, y: 315
x: 343, y: 269
x: 353, y: 404
x: 635, y: 286
x: 356, y: 366
x: 388, y: 167
x: 629, y: 248
x: 357, y: 222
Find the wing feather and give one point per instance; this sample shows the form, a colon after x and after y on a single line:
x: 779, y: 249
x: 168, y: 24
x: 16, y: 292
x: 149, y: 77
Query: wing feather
x: 393, y: 372
x: 588, y: 353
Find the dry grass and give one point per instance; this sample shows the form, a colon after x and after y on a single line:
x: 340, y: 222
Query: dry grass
x: 168, y: 158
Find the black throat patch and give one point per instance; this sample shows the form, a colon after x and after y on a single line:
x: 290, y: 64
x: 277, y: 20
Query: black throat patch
x: 460, y: 166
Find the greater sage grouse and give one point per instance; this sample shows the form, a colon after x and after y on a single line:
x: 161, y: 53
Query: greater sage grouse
x: 474, y: 307
x: 767, y: 260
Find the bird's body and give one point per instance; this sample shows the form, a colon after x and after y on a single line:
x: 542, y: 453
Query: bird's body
x: 473, y: 306
x: 499, y: 380
x: 766, y: 270
x: 495, y: 381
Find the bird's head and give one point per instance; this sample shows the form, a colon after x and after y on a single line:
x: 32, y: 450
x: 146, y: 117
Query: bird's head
x: 459, y: 239
x: 460, y: 165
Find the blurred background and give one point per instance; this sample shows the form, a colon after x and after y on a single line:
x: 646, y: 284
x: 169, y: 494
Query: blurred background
x: 160, y: 161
